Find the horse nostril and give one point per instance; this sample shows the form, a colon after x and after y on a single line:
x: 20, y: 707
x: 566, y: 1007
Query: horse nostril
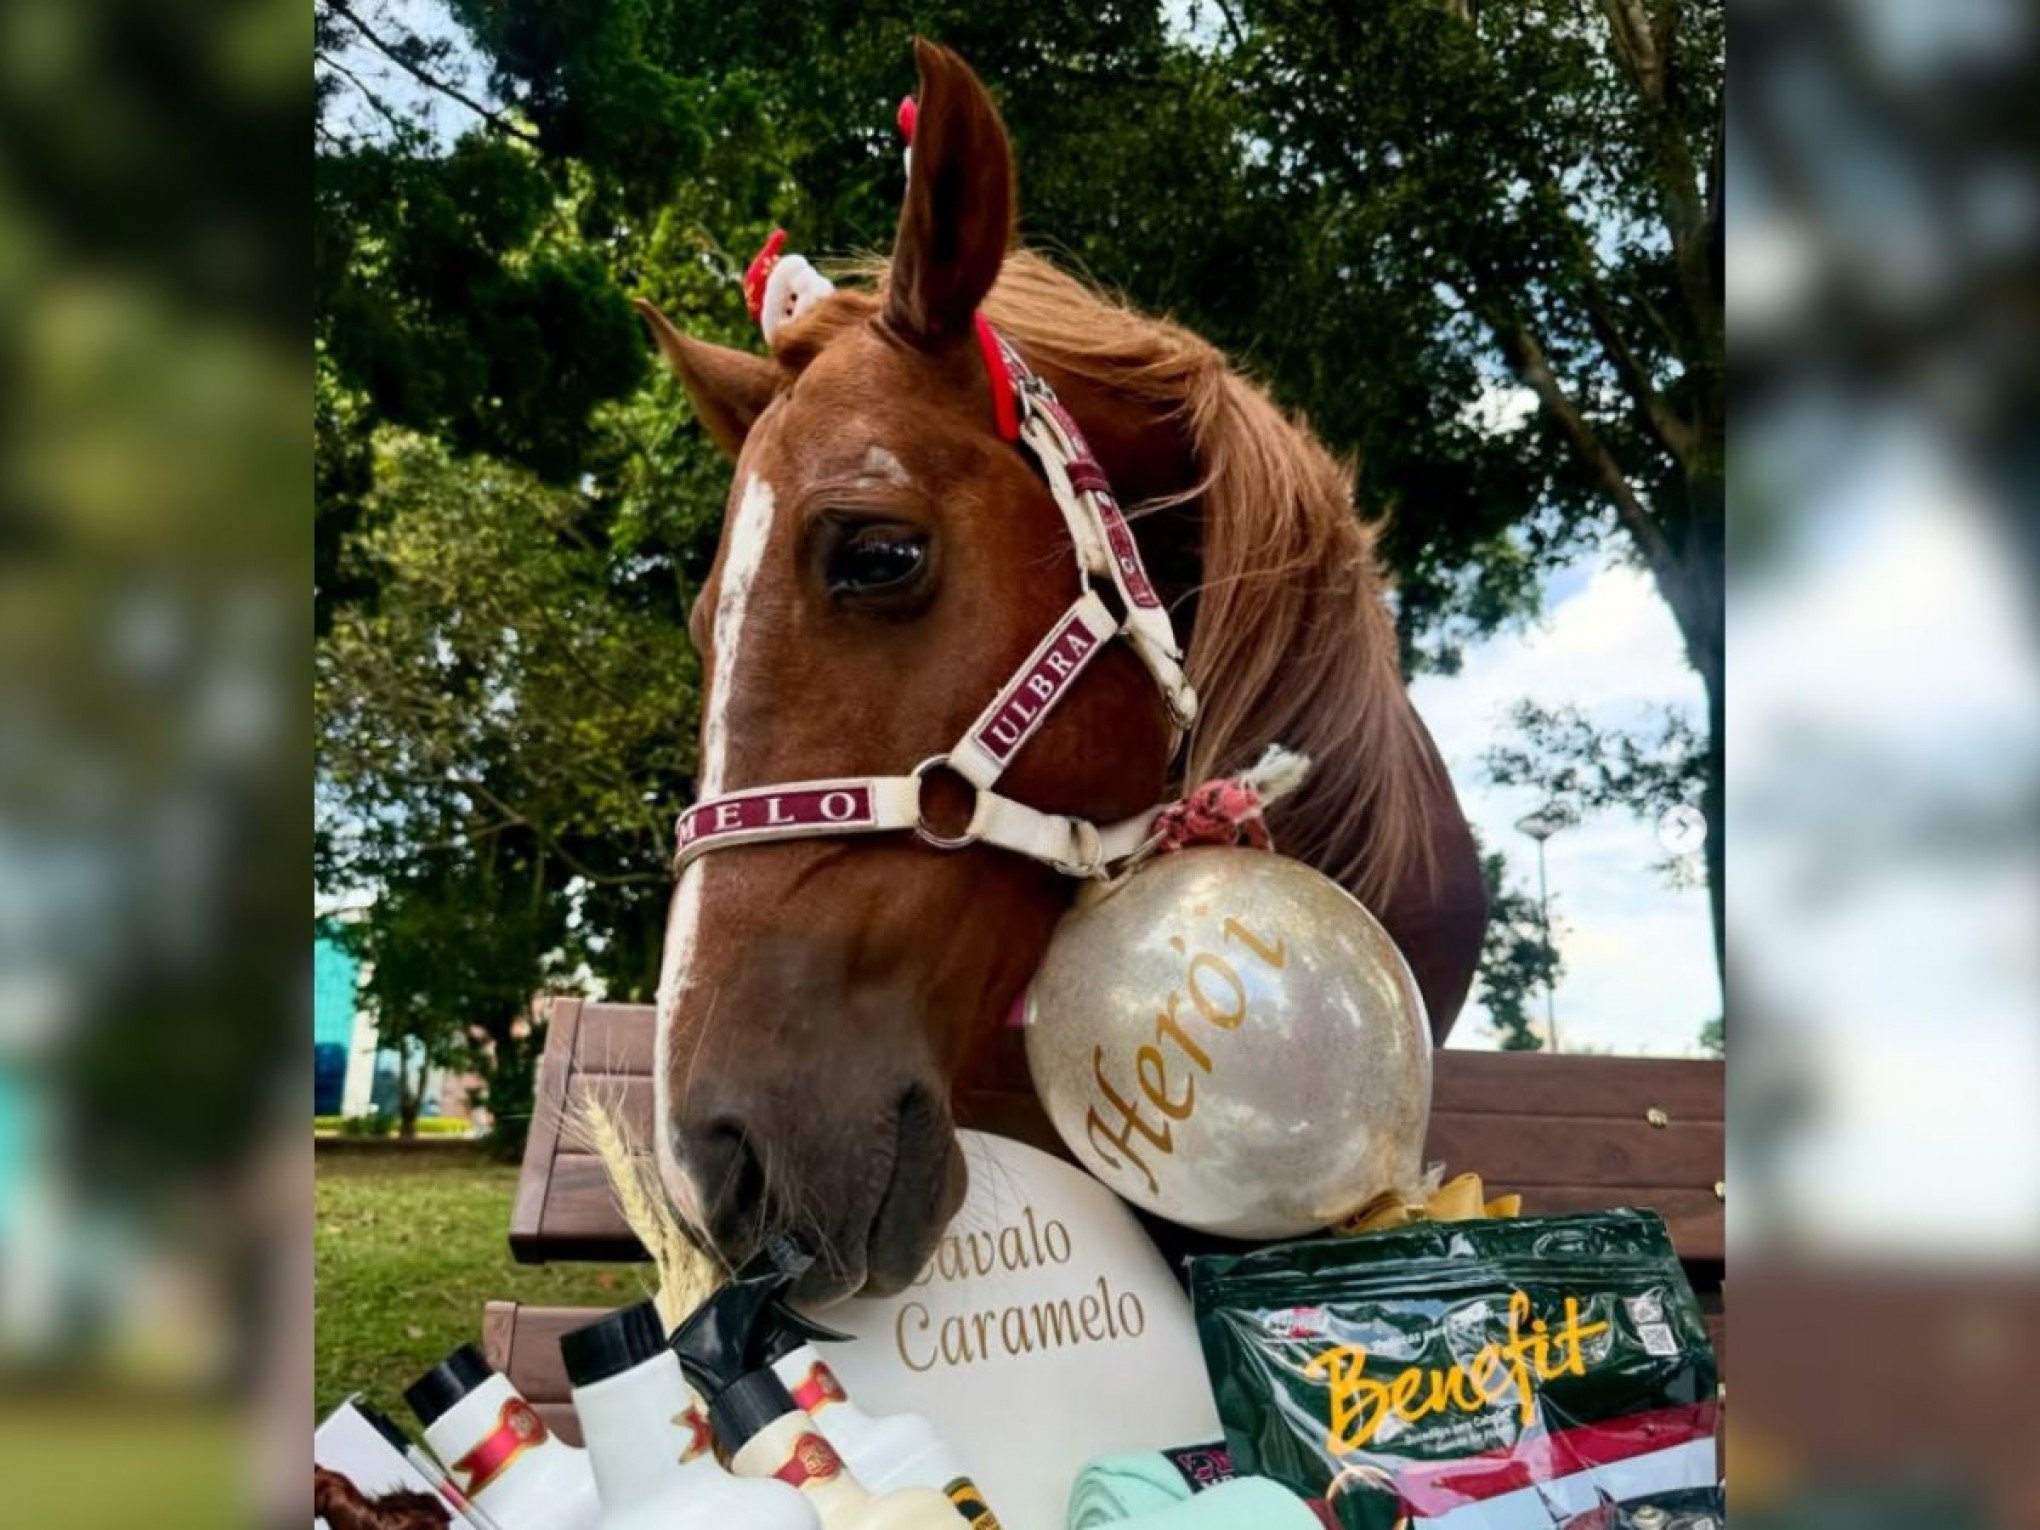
x: 730, y: 1176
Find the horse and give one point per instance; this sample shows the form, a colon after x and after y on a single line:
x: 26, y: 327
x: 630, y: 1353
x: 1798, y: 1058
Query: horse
x: 887, y: 559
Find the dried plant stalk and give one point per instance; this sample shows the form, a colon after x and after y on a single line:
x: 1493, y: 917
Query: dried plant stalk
x: 687, y: 1272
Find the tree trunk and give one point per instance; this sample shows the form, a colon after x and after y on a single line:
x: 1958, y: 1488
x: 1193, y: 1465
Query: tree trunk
x: 1694, y: 587
x: 409, y: 1099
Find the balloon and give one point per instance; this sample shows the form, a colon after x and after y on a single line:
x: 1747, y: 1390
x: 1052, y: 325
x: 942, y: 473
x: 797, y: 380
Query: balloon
x: 1229, y: 1040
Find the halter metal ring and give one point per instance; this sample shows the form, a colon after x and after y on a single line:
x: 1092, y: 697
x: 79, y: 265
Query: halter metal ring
x: 922, y: 830
x: 1089, y: 861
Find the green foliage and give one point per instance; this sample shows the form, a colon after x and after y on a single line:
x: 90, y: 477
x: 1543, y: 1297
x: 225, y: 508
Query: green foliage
x: 1580, y: 768
x: 1519, y: 960
x: 445, y: 290
x: 1714, y: 1037
x: 451, y: 953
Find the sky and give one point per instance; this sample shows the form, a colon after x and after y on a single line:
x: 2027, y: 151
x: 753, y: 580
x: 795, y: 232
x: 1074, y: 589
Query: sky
x: 1639, y: 954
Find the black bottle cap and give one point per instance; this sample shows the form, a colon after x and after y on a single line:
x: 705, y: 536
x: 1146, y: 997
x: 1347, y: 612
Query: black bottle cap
x: 447, y: 1383
x: 746, y: 1406
x: 612, y: 1345
x: 783, y: 1330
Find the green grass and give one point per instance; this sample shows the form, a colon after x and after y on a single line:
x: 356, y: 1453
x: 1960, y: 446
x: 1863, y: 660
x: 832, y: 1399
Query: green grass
x: 427, y: 1126
x: 91, y: 1462
x: 408, y: 1248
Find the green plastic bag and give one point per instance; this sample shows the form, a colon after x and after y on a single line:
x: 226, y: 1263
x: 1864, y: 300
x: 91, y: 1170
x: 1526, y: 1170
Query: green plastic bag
x: 1486, y: 1375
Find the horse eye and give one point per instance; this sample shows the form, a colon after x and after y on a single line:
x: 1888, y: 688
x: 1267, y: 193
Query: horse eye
x: 875, y: 560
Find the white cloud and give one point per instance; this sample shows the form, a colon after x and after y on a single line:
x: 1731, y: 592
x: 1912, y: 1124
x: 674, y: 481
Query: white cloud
x: 1639, y: 955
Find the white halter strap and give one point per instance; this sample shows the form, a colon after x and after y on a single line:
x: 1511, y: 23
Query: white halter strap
x: 1029, y: 413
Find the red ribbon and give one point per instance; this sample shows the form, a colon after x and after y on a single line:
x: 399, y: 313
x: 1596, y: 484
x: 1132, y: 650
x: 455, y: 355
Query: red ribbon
x: 518, y: 1428
x: 812, y: 1459
x: 818, y: 1389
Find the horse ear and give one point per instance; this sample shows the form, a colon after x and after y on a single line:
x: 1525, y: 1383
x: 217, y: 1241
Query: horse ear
x: 730, y: 388
x: 958, y: 215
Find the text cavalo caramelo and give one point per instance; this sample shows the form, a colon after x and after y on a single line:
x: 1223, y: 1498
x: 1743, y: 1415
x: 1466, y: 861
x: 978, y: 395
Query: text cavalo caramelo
x: 1028, y: 1244
x: 1361, y: 1404
x: 1099, y: 1315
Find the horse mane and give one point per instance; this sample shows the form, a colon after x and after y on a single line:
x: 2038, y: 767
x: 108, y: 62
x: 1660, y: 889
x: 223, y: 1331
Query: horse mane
x: 1292, y: 641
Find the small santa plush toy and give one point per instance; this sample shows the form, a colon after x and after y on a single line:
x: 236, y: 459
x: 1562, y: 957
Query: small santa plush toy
x: 780, y: 288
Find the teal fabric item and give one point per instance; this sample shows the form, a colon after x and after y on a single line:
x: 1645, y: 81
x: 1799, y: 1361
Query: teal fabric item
x: 1118, y: 1488
x: 1245, y: 1503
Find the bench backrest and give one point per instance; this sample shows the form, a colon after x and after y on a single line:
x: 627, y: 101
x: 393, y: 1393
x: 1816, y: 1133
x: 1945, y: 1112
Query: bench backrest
x: 1569, y: 1133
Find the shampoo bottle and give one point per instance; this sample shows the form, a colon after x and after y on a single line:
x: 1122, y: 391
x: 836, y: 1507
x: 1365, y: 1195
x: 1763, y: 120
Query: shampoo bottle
x: 886, y: 1451
x: 762, y: 1430
x: 498, y: 1450
x: 648, y: 1437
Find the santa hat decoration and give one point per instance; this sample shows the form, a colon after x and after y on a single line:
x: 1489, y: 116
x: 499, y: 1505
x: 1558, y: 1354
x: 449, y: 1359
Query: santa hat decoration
x: 760, y: 271
x: 780, y: 288
x: 910, y: 110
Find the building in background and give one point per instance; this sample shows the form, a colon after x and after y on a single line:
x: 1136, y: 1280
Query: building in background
x: 352, y: 1075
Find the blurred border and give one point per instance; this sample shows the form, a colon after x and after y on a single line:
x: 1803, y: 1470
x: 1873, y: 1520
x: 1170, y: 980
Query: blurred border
x: 155, y: 564
x: 154, y: 773
x: 1884, y: 791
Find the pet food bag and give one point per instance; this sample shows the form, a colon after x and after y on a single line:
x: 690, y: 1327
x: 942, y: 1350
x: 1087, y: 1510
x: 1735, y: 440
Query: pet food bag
x: 1523, y: 1374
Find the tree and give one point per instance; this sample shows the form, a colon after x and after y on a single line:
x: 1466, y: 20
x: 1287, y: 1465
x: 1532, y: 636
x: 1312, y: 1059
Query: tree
x: 1519, y: 189
x: 1582, y: 768
x: 449, y: 945
x: 1519, y: 961
x: 520, y: 693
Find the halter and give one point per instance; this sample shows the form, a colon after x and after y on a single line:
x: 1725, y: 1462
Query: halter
x: 1028, y: 413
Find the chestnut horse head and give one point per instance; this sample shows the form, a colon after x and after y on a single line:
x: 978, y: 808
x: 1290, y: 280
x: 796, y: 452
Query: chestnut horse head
x: 887, y: 560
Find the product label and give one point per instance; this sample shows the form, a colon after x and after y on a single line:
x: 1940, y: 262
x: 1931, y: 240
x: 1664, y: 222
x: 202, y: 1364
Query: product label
x: 970, y: 1503
x: 1482, y: 1375
x: 518, y: 1429
x: 818, y: 1389
x: 1201, y: 1466
x: 1533, y: 1352
x: 812, y: 1459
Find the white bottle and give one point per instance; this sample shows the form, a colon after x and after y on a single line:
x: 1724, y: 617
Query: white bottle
x: 498, y: 1450
x: 648, y: 1437
x: 891, y: 1450
x: 768, y: 1436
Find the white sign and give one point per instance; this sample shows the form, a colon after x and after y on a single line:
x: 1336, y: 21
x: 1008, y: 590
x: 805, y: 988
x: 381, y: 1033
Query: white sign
x: 1046, y: 1331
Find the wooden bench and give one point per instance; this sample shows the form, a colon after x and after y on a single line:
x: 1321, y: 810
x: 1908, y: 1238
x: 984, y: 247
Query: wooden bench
x: 1568, y: 1133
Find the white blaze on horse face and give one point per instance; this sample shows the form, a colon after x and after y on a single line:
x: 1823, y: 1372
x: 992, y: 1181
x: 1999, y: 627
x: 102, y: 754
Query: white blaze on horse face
x: 749, y: 534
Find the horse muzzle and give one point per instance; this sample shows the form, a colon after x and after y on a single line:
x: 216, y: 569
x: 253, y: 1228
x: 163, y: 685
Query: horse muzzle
x: 866, y: 1190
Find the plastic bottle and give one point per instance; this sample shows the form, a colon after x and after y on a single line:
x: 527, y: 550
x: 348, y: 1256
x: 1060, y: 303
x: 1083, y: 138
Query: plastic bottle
x: 723, y: 1349
x: 648, y: 1437
x: 883, y: 1451
x: 498, y: 1450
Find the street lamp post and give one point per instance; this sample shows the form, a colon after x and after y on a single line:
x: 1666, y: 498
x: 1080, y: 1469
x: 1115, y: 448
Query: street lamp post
x: 1540, y: 826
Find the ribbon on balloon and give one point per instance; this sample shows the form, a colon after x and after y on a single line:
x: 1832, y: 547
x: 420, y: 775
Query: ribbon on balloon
x: 1461, y: 1199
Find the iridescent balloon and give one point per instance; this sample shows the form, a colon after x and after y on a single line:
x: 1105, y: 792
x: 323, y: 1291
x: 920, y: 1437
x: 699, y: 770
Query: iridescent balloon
x: 1232, y: 1042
